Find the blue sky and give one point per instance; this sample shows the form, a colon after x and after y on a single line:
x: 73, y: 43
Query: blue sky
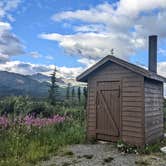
x: 73, y: 35
x: 33, y: 17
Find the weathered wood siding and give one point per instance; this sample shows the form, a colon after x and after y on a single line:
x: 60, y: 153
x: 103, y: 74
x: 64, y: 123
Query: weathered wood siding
x: 153, y: 110
x: 132, y: 102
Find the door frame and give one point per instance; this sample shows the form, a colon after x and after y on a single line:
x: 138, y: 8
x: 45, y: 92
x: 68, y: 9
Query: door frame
x: 120, y: 107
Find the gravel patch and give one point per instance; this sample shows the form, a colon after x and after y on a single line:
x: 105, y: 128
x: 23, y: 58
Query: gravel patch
x: 102, y: 155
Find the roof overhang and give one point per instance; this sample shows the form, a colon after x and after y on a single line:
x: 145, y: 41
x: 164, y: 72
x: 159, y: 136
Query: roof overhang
x: 139, y: 70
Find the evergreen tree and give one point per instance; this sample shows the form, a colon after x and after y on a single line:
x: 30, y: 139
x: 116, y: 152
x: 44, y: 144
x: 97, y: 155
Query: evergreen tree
x: 79, y: 94
x: 54, y: 89
x: 164, y: 103
x: 85, y: 95
x: 68, y: 91
x: 73, y: 93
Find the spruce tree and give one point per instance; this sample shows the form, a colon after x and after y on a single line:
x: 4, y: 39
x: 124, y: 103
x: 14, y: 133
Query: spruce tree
x: 73, y: 93
x: 85, y: 95
x: 54, y: 89
x: 79, y: 94
x: 68, y: 91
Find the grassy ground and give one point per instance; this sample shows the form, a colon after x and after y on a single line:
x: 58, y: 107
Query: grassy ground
x: 21, y: 145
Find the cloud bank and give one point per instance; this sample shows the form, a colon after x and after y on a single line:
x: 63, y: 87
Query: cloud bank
x: 123, y: 26
x: 10, y: 45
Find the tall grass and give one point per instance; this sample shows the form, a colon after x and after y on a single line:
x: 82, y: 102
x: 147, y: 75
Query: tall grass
x: 23, y: 145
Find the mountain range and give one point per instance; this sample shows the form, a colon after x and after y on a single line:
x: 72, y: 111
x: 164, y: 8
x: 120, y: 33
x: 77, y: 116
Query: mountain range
x: 35, y: 85
x: 44, y: 78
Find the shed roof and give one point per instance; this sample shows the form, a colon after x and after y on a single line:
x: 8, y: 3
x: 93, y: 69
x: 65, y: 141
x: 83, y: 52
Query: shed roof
x: 139, y: 70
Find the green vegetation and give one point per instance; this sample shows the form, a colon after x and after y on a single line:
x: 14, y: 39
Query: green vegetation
x: 79, y: 94
x: 23, y: 145
x: 53, y: 91
x: 68, y: 91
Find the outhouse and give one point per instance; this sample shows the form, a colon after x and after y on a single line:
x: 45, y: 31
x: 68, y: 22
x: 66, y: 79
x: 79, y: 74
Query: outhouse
x: 125, y: 101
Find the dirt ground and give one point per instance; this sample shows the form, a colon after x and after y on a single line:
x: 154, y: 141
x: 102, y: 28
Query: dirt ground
x: 102, y: 155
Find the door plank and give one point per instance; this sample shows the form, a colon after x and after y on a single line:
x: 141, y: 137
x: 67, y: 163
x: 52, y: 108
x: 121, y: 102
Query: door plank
x: 109, y: 114
x: 108, y: 109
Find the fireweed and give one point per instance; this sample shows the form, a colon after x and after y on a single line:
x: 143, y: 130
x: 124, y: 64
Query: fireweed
x: 26, y: 140
x: 30, y: 121
x: 4, y: 122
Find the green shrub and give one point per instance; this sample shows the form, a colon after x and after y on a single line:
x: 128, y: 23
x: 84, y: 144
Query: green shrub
x: 14, y: 105
x: 7, y: 105
x: 165, y: 102
x: 21, y: 105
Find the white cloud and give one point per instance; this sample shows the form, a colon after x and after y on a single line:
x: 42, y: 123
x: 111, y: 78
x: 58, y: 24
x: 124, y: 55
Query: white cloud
x: 152, y: 24
x: 94, y: 45
x: 90, y: 28
x: 124, y: 26
x: 49, y: 57
x: 29, y: 68
x: 6, y: 6
x: 3, y: 58
x: 2, y: 12
x: 133, y: 8
x: 69, y: 72
x: 9, y: 43
x: 35, y: 54
x: 120, y: 16
x: 106, y: 12
x: 161, y: 68
x: 10, y: 18
x: 4, y: 26
x: 11, y: 4
x: 87, y: 62
x: 100, y: 13
x: 23, y: 67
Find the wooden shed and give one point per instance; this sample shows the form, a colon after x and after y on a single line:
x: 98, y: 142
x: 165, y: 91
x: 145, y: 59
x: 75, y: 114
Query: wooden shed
x: 125, y: 101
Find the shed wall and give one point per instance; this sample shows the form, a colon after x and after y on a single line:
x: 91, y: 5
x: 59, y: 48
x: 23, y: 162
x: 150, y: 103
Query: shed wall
x: 153, y: 110
x: 132, y: 102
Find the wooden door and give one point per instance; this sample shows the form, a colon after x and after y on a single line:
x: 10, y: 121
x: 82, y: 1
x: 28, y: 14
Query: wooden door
x: 108, y: 111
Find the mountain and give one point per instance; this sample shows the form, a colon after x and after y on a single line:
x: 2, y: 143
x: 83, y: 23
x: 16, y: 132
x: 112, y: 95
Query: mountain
x: 39, y: 77
x: 35, y: 85
x: 44, y: 78
x: 17, y: 84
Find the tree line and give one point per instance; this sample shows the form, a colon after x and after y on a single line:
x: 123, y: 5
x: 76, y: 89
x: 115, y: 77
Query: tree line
x: 73, y: 94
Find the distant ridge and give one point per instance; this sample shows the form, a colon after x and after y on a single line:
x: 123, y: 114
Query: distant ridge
x: 43, y: 78
x: 17, y: 84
